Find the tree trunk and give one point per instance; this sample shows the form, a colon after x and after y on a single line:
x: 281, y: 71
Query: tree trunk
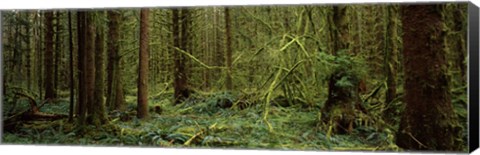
x: 58, y: 51
x: 219, y: 56
x: 48, y: 57
x: 31, y: 50
x: 428, y: 122
x: 82, y: 103
x: 115, y: 99
x: 460, y: 47
x: 228, y: 35
x: 339, y: 109
x: 72, y: 80
x: 184, y: 38
x: 39, y: 58
x: 142, y: 98
x: 90, y: 65
x: 389, y: 55
x: 99, y: 113
x: 180, y: 78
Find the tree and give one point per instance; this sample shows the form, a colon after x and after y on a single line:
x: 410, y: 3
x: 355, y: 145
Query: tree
x: 343, y: 95
x: 428, y: 122
x: 99, y: 113
x: 72, y: 80
x: 181, y: 91
x: 58, y: 52
x: 391, y: 49
x: 115, y: 96
x: 82, y: 103
x: 48, y: 58
x: 90, y: 65
x: 228, y: 55
x: 142, y: 83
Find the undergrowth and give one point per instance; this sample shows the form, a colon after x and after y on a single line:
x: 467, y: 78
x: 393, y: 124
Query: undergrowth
x: 200, y: 122
x: 232, y: 120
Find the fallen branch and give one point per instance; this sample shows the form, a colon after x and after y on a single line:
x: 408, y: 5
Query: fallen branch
x: 33, y: 113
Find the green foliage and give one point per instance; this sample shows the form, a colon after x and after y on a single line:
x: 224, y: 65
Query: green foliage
x: 287, y: 54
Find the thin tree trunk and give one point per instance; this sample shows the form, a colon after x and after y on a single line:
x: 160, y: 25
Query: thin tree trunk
x: 219, y: 53
x: 82, y: 103
x: 228, y: 55
x: 206, y: 54
x: 142, y: 98
x: 428, y: 122
x: 48, y: 58
x: 39, y: 57
x: 389, y: 70
x: 58, y: 51
x: 31, y: 50
x: 72, y: 80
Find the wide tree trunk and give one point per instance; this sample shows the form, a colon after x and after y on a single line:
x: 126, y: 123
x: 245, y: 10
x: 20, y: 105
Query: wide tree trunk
x: 99, y: 113
x: 115, y: 98
x: 142, y: 83
x: 48, y: 57
x: 180, y: 78
x: 339, y: 109
x: 428, y: 122
x: 90, y: 65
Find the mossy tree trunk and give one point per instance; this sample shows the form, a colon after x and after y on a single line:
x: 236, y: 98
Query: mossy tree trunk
x: 179, y: 41
x: 228, y: 55
x: 81, y: 104
x: 428, y: 122
x: 339, y: 109
x: 90, y: 65
x: 58, y: 52
x: 115, y: 96
x: 142, y: 83
x: 390, y: 51
x: 99, y: 113
x: 72, y: 80
x: 48, y: 57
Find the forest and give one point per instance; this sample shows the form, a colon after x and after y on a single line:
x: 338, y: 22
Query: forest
x: 368, y: 77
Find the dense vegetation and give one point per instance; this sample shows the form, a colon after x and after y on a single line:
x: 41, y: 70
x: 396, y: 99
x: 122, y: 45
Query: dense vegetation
x: 315, y: 77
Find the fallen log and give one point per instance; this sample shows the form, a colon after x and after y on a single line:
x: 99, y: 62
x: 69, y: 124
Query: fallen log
x: 33, y: 113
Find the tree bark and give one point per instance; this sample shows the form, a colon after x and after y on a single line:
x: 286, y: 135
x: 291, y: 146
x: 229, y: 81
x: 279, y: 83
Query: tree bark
x: 99, y: 113
x: 48, y: 57
x: 228, y: 35
x: 58, y: 52
x: 115, y: 98
x: 112, y: 48
x: 219, y: 54
x: 90, y: 65
x: 82, y: 103
x: 31, y: 50
x: 180, y: 79
x: 142, y: 97
x: 339, y: 109
x: 428, y: 122
x: 391, y: 50
x: 72, y: 80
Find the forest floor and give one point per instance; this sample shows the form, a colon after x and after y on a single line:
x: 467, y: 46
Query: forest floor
x: 204, y: 124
